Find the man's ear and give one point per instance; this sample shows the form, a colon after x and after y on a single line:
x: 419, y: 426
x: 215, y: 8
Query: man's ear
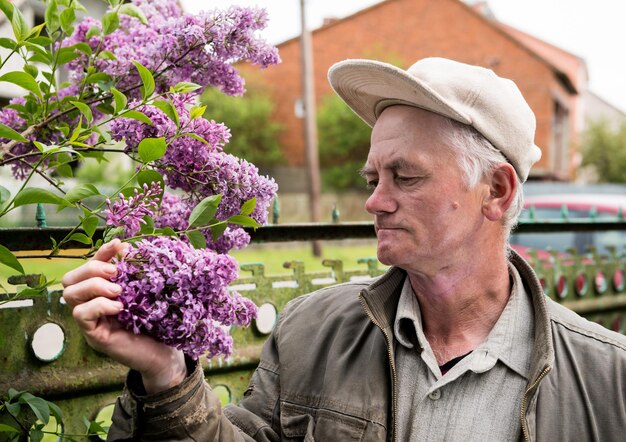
x: 502, y: 189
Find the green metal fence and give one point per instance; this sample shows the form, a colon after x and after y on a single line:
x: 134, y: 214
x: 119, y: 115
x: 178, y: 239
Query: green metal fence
x: 85, y: 383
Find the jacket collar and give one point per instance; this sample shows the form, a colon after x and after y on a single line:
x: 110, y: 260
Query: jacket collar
x: 382, y: 297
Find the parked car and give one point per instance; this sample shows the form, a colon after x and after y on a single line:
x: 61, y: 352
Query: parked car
x: 602, y: 206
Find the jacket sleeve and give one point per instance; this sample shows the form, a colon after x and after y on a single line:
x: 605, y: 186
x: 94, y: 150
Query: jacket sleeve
x: 187, y: 412
x: 191, y: 412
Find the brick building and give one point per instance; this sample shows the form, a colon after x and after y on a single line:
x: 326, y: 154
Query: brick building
x: 403, y: 31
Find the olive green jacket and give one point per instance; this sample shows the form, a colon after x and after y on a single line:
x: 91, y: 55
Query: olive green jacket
x: 327, y: 373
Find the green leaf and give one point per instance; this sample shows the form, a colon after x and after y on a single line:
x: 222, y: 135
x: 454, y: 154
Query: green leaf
x: 147, y: 79
x: 81, y: 192
x: 195, y: 137
x: 20, y: 27
x: 5, y: 196
x: 120, y: 100
x: 67, y: 20
x: 97, y: 77
x: 22, y: 79
x: 53, y: 21
x: 95, y: 428
x: 81, y: 237
x: 185, y: 86
x: 65, y: 55
x: 243, y: 220
x: 150, y: 176
x: 13, y: 393
x: 110, y: 22
x: 8, y: 259
x: 94, y: 30
x: 77, y: 130
x: 114, y: 233
x: 82, y: 47
x: 31, y: 69
x: 197, y: 112
x: 7, y: 132
x: 33, y: 195
x: 89, y: 225
x: 196, y: 239
x: 204, y: 211
x: 8, y: 429
x: 133, y: 11
x: 8, y: 43
x: 167, y: 231
x: 151, y: 149
x: 56, y: 412
x: 7, y: 8
x: 248, y: 206
x: 139, y: 116
x: 13, y: 409
x: 35, y: 435
x: 218, y: 229
x: 85, y: 110
x: 38, y: 405
x: 168, y: 110
x: 107, y: 55
x: 35, y: 32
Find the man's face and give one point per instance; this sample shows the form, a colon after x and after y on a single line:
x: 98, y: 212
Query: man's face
x: 425, y: 216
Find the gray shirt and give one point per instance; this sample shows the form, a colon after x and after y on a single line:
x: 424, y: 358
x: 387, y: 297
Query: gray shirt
x: 477, y: 399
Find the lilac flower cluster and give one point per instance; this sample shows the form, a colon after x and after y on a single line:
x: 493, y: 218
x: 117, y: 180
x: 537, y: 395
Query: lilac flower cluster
x: 179, y: 296
x: 198, y: 48
x: 174, y: 212
x: 202, y: 169
x: 129, y: 213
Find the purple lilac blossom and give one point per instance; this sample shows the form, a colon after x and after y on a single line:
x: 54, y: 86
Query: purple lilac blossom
x: 129, y: 213
x: 174, y: 212
x: 199, y: 48
x: 179, y: 296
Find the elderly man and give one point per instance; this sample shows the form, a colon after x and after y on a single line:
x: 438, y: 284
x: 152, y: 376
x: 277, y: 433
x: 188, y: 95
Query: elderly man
x: 456, y: 341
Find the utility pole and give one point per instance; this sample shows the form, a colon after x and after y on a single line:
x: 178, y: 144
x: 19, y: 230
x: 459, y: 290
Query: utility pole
x: 310, y: 125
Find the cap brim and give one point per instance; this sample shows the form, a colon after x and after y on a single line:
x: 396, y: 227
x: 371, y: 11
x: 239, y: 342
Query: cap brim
x: 368, y: 87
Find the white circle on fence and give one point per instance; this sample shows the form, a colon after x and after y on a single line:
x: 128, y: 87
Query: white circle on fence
x: 105, y: 418
x: 48, y: 342
x: 266, y: 318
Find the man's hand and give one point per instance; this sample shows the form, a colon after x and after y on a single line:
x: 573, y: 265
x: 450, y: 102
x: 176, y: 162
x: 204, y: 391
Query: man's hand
x: 92, y: 297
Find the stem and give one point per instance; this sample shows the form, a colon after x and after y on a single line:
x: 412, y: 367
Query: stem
x: 37, y: 153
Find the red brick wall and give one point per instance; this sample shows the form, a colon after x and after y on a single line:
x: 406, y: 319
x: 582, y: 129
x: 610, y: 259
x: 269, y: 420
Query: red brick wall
x: 405, y: 31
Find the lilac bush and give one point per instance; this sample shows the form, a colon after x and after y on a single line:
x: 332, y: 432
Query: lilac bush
x: 134, y: 81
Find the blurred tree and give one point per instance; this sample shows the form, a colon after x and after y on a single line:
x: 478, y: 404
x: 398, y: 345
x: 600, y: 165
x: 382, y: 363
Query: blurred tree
x: 344, y: 140
x: 255, y: 135
x: 604, y: 150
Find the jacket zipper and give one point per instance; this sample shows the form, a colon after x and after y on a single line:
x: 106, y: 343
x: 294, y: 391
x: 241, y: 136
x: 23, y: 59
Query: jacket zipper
x: 525, y: 402
x: 392, y: 364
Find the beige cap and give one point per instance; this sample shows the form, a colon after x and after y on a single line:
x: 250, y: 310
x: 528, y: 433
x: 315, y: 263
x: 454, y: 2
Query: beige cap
x: 471, y: 95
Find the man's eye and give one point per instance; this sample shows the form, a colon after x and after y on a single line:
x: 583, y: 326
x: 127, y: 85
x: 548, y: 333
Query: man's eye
x: 371, y: 185
x: 406, y: 179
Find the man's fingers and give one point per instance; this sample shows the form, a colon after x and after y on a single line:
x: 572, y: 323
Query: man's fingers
x: 88, y: 289
x: 88, y: 314
x: 108, y: 251
x: 90, y: 269
x: 99, y: 265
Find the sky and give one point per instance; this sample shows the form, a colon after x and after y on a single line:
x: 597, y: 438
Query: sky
x: 593, y: 30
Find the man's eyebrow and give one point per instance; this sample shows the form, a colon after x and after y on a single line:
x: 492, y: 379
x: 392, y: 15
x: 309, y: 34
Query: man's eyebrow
x: 366, y: 170
x: 395, y: 165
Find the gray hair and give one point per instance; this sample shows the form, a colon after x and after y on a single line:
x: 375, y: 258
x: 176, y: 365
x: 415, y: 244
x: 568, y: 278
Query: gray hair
x: 477, y: 158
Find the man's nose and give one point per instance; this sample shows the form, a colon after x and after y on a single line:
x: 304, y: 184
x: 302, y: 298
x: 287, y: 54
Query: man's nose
x: 381, y: 200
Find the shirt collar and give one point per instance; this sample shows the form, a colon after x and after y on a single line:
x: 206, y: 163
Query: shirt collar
x: 510, y: 340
